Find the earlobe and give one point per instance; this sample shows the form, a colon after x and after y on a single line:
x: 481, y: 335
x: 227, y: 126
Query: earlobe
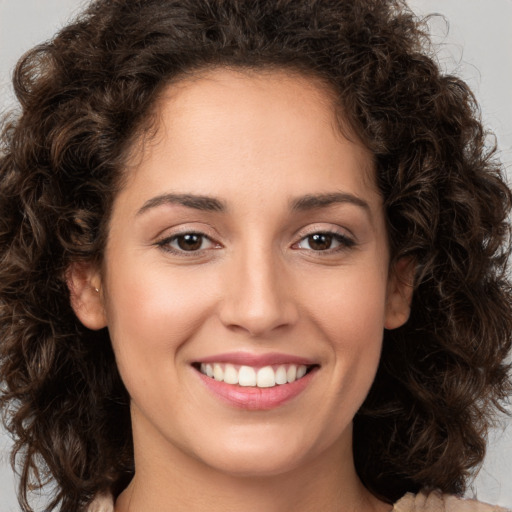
x: 399, y: 293
x: 84, y: 284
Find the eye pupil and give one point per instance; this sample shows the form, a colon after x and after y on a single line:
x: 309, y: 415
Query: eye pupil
x: 320, y: 241
x: 190, y: 242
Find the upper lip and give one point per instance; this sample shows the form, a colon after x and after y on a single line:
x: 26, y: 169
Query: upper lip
x: 258, y: 360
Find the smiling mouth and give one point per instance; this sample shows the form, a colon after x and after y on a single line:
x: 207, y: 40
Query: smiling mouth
x: 250, y: 376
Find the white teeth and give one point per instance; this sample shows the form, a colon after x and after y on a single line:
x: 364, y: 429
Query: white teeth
x: 281, y: 375
x: 301, y: 371
x: 230, y: 374
x: 218, y: 372
x: 265, y: 377
x: 246, y: 376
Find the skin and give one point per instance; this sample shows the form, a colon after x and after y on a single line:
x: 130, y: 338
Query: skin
x: 257, y: 143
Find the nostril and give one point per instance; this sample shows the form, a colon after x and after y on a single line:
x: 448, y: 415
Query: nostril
x: 257, y: 301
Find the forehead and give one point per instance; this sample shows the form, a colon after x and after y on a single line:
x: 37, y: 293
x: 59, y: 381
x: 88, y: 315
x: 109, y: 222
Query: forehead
x: 225, y: 118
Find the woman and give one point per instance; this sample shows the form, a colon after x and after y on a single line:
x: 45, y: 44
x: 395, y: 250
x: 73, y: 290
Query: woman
x: 253, y: 257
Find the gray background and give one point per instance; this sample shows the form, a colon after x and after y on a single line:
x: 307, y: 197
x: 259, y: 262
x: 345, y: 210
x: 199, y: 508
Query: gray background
x: 478, y: 47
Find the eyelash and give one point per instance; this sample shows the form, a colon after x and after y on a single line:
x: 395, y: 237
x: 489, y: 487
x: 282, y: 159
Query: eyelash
x: 343, y: 240
x: 165, y: 243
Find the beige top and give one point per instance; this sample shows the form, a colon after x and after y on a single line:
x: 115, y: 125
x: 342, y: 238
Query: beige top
x: 433, y: 502
x: 437, y: 502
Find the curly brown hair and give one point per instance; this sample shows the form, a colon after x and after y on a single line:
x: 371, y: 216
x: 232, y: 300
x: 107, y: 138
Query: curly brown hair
x: 86, y: 96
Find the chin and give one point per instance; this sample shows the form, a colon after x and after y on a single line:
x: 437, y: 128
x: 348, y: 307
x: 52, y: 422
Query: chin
x: 261, y: 466
x: 262, y: 456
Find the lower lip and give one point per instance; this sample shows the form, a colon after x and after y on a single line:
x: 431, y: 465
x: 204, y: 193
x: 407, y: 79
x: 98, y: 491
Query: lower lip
x: 254, y: 398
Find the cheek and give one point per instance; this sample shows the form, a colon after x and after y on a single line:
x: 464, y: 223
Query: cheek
x: 151, y: 311
x: 349, y: 315
x: 350, y: 306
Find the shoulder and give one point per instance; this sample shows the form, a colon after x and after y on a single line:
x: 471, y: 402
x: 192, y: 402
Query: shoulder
x: 437, y: 502
x: 433, y: 502
x: 102, y: 503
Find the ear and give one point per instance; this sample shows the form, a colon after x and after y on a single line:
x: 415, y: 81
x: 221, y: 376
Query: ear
x: 399, y: 293
x: 84, y: 284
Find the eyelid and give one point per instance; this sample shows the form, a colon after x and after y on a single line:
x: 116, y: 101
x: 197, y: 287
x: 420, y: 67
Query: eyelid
x: 164, y: 241
x: 346, y: 238
x: 320, y: 227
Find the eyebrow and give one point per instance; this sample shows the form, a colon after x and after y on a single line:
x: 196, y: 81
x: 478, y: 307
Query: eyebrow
x: 204, y: 203
x: 212, y: 204
x: 312, y: 201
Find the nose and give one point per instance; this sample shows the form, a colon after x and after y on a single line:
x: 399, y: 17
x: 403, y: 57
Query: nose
x: 258, y: 296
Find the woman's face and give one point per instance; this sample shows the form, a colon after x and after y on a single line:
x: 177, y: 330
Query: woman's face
x: 249, y: 242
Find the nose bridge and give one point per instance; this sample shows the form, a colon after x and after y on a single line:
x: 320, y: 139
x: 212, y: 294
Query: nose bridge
x: 258, y: 298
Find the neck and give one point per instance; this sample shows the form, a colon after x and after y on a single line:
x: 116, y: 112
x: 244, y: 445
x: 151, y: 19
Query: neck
x: 178, y: 482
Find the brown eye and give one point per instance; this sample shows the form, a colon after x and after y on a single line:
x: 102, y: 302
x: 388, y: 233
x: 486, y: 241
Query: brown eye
x: 320, y: 241
x: 189, y: 242
x: 186, y: 242
x: 325, y: 242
